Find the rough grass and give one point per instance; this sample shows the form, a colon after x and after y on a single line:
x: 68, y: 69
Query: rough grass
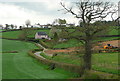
x: 22, y: 66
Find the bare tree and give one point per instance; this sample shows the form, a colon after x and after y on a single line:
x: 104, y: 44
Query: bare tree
x: 27, y: 23
x: 12, y: 26
x: 6, y: 26
x: 54, y: 22
x: 1, y: 26
x: 88, y: 12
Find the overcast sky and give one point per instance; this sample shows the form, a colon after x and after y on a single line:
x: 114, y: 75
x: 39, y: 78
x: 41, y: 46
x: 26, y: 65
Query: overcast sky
x: 37, y: 11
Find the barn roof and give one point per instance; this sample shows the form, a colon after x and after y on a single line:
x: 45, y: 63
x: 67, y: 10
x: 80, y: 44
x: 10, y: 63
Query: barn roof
x: 41, y: 33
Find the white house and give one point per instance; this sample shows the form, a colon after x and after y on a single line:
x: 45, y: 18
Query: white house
x: 41, y: 35
x: 36, y: 26
x: 46, y: 26
x: 70, y: 25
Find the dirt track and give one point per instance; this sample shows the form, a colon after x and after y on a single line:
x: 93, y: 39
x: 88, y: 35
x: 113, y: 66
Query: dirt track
x: 115, y: 43
x: 56, y: 51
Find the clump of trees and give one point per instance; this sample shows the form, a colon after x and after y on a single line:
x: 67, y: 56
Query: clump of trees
x: 61, y: 22
x: 11, y: 26
x: 6, y: 26
x: 87, y: 12
x: 1, y: 26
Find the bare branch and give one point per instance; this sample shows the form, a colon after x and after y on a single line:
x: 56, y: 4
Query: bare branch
x: 69, y: 10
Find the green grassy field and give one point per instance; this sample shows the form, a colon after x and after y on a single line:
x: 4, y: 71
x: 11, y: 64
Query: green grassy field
x: 15, y: 34
x: 1, y: 29
x: 113, y: 32
x: 64, y: 44
x: 11, y: 34
x: 106, y: 38
x: 74, y: 42
x: 22, y: 66
x: 106, y: 62
x: 67, y: 44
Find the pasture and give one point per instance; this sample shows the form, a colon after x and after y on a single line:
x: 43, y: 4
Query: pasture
x: 105, y: 62
x: 21, y: 66
x: 15, y: 34
x: 67, y: 44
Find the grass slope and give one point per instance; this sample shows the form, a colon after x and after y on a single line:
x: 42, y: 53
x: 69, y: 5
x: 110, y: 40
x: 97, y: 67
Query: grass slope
x: 21, y: 66
x: 106, y: 62
x: 69, y: 43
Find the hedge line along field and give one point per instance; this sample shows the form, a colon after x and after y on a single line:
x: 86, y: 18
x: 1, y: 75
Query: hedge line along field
x: 22, y: 66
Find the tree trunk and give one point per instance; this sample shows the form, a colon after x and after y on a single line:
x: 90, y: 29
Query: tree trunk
x: 87, y: 56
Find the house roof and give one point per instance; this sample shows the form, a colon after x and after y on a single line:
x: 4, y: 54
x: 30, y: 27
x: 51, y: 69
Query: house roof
x: 41, y: 33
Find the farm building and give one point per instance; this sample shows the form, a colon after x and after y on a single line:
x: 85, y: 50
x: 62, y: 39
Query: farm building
x: 41, y: 35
